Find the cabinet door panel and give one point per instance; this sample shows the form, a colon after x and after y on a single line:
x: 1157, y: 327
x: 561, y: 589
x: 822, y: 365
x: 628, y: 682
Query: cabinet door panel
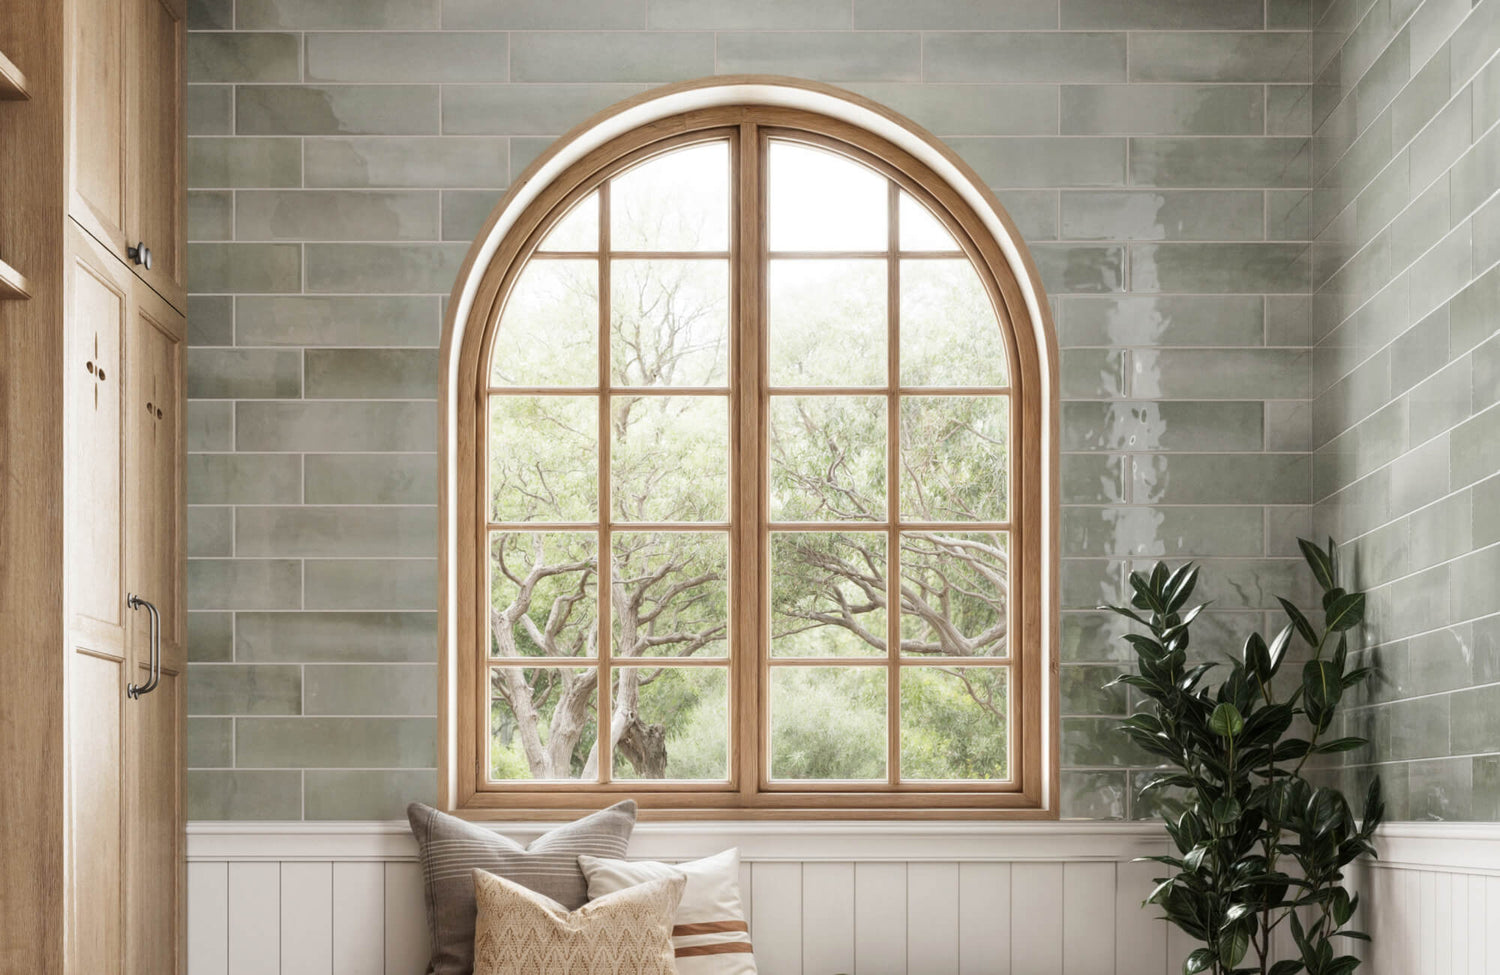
x: 155, y: 143
x: 98, y: 308
x: 154, y: 425
x: 98, y: 197
x: 153, y: 902
x: 96, y: 763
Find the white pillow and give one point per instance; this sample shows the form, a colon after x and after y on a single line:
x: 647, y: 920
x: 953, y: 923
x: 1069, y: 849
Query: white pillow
x: 709, y: 930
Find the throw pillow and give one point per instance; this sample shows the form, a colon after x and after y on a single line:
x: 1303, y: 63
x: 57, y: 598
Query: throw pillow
x: 709, y: 932
x: 521, y: 932
x: 450, y: 849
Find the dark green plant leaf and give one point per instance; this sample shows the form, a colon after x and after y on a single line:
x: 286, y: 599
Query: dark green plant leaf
x: 1226, y: 721
x: 1346, y: 612
x: 1320, y: 691
x: 1289, y: 967
x: 1234, y: 941
x: 1304, y: 628
x: 1319, y: 561
x: 1257, y: 656
x: 1340, y: 745
x: 1226, y: 809
x: 1277, y: 648
x: 1201, y: 960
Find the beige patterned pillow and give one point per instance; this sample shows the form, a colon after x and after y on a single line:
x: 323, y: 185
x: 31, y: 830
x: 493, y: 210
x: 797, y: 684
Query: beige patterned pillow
x: 521, y: 932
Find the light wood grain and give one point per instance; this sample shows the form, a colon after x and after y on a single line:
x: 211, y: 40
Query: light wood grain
x: 155, y: 144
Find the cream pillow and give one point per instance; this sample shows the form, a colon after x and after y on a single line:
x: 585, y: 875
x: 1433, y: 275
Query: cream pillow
x: 709, y: 932
x: 521, y: 932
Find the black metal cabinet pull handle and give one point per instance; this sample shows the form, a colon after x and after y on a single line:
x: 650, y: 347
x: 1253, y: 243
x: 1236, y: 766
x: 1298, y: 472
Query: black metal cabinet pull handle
x: 134, y: 691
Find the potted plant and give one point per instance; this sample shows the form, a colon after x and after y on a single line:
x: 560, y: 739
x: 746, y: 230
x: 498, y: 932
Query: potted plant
x: 1258, y: 844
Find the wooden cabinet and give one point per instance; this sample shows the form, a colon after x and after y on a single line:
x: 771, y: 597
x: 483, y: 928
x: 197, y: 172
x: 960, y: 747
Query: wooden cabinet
x: 123, y: 517
x: 126, y: 129
x: 92, y: 869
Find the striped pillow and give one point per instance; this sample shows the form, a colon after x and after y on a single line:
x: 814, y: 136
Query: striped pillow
x: 709, y: 933
x: 451, y: 849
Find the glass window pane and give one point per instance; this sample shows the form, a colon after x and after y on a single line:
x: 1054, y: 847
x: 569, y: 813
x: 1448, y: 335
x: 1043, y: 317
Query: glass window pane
x: 671, y: 597
x: 955, y: 457
x: 543, y: 723
x: 955, y: 588
x: 828, y: 723
x: 955, y: 723
x: 549, y: 331
x: 828, y: 459
x: 678, y: 201
x: 578, y: 230
x: 817, y: 200
x: 670, y: 458
x: 673, y: 722
x: 828, y: 594
x: 542, y: 587
x: 669, y: 323
x: 949, y: 333
x: 544, y: 458
x: 920, y: 230
x: 827, y: 322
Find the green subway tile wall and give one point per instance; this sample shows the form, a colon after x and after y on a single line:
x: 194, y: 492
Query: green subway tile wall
x: 1157, y: 154
x: 1404, y: 426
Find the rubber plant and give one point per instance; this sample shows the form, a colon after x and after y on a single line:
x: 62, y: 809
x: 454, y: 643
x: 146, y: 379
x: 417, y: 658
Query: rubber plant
x: 1258, y: 844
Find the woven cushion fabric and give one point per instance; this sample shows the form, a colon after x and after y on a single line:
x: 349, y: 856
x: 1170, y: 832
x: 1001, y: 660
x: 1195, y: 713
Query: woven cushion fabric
x: 521, y: 932
x: 709, y: 933
x: 450, y: 849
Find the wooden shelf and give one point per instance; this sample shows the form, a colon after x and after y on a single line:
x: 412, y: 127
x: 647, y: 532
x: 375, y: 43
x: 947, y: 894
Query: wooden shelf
x: 12, y: 81
x: 12, y: 283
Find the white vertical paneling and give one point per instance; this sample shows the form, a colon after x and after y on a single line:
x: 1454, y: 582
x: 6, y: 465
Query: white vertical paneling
x: 358, y: 914
x: 1428, y: 930
x: 1482, y: 945
x: 1179, y: 946
x: 932, y: 918
x: 1486, y: 928
x: 879, y: 918
x: 747, y: 903
x: 208, y: 918
x: 1457, y: 923
x: 984, y: 919
x: 407, y: 948
x: 776, y: 889
x: 1036, y: 926
x: 1442, y: 926
x: 254, y: 918
x: 1407, y: 908
x: 1088, y: 915
x: 828, y: 917
x: 1140, y: 938
x: 306, y: 919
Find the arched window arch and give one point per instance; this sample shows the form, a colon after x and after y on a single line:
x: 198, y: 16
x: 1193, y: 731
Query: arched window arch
x: 737, y: 355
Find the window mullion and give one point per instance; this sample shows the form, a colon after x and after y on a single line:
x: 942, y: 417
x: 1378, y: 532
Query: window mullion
x: 893, y: 487
x: 748, y: 694
x: 604, y: 722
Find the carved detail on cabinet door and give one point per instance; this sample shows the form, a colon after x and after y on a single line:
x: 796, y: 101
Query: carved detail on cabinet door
x: 97, y: 310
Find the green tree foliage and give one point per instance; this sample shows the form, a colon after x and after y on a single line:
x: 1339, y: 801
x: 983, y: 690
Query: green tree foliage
x: 669, y: 462
x: 1258, y: 844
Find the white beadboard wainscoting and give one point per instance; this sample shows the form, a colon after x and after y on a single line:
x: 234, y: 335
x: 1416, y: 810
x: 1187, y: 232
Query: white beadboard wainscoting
x: 866, y: 898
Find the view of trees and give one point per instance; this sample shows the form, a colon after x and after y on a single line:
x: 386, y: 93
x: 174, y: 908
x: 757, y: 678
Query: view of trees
x: 669, y: 473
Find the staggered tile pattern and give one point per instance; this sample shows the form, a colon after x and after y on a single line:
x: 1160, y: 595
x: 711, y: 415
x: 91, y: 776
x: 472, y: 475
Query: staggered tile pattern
x: 1156, y: 154
x: 1406, y: 372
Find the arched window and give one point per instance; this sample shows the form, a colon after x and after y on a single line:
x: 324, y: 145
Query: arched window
x: 726, y: 375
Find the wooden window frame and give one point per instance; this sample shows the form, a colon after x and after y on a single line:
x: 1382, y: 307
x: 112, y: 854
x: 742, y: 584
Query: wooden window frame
x: 749, y: 793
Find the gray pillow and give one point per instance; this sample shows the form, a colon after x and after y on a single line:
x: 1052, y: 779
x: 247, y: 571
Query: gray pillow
x: 451, y: 849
